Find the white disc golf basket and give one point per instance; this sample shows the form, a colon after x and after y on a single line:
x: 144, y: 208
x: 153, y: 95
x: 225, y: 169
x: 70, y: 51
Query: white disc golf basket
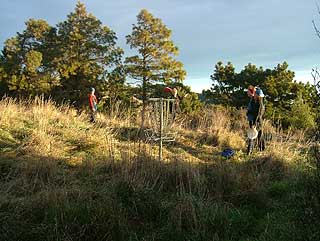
x: 160, y: 114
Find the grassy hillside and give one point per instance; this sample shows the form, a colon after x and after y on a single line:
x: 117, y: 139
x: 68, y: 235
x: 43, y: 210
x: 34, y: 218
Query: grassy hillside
x: 62, y: 178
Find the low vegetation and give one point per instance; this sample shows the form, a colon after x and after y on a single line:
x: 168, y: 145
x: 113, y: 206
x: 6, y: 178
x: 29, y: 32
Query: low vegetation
x: 62, y: 178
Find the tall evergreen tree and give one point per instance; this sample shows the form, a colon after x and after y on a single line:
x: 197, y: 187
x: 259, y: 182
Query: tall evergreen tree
x: 224, y: 83
x: 62, y: 61
x: 23, y: 65
x: 281, y: 91
x: 154, y: 61
x: 87, y: 54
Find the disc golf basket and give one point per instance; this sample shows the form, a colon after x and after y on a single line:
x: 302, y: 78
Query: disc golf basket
x: 160, y: 114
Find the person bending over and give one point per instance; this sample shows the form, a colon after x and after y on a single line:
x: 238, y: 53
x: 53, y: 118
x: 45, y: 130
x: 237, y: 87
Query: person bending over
x: 255, y: 113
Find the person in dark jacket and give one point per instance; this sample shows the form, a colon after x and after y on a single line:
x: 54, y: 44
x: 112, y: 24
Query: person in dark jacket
x: 255, y: 113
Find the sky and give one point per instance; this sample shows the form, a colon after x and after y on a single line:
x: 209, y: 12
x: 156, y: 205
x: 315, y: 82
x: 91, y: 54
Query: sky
x: 261, y: 32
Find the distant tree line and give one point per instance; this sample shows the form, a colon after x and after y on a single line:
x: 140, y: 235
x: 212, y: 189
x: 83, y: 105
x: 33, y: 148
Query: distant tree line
x: 64, y: 60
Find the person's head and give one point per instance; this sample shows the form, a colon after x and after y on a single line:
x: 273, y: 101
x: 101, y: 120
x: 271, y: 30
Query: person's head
x: 167, y: 89
x: 251, y: 91
x: 174, y: 92
x: 92, y: 90
x: 258, y: 93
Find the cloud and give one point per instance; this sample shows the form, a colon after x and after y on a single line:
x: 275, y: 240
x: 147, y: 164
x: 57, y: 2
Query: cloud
x: 262, y: 32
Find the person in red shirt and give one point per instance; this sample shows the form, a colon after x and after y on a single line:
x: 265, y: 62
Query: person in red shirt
x: 93, y: 105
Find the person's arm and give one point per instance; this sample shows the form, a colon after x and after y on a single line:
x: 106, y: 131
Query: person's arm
x: 261, y: 110
x: 95, y: 103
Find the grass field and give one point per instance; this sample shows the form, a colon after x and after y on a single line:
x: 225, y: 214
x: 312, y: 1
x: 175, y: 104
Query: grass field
x: 62, y: 178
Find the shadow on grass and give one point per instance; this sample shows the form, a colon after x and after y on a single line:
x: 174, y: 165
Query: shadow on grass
x: 204, y: 154
x: 127, y: 133
x: 42, y: 198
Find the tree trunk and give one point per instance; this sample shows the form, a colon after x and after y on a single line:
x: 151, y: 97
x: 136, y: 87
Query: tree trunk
x: 144, y: 101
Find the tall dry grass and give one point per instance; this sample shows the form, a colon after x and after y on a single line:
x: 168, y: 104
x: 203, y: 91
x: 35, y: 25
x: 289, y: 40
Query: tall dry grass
x: 63, y: 178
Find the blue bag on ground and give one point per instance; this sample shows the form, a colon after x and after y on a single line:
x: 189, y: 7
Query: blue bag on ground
x: 227, y: 153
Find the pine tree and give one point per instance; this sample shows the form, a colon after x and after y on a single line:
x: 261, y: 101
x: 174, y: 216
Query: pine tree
x: 87, y: 54
x: 23, y: 69
x: 223, y: 85
x: 301, y: 115
x: 154, y: 62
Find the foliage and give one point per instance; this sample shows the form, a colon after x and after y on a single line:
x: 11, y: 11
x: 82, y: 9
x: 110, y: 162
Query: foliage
x: 223, y: 87
x: 23, y: 61
x: 87, y: 55
x: 63, y: 61
x: 301, y: 115
x: 155, y: 59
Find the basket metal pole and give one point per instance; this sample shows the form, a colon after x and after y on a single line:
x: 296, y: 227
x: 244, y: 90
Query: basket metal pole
x: 161, y: 129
